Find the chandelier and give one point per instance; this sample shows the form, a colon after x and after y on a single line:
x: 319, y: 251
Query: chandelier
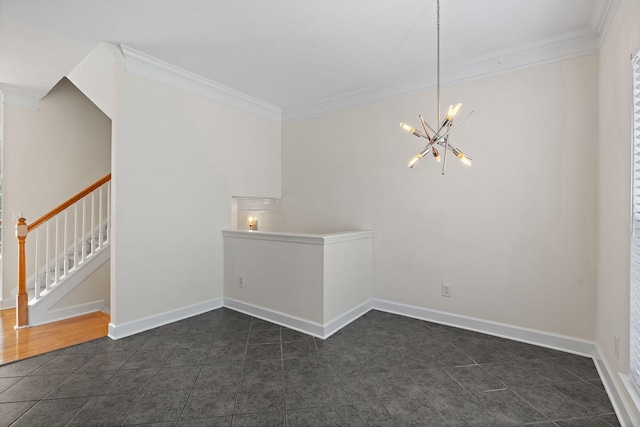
x: 441, y: 136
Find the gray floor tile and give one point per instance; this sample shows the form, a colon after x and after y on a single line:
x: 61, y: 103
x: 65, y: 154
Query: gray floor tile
x: 5, y: 383
x: 51, y: 413
x: 344, y: 390
x: 583, y: 422
x: 260, y: 397
x: 63, y: 364
x: 224, y: 373
x: 81, y: 384
x: 158, y: 407
x: 207, y: 422
x: 552, y: 402
x: 174, y: 378
x: 289, y: 335
x: 414, y: 412
x: 148, y: 358
x: 302, y: 369
x: 396, y: 385
x: 307, y: 394
x: 297, y: 349
x: 259, y: 324
x: 507, y: 408
x: 106, y: 361
x: 264, y: 351
x: 129, y: 381
x: 475, y: 378
x: 188, y: 356
x: 105, y: 411
x: 529, y: 373
x: 32, y: 388
x: 436, y: 381
x: 158, y: 342
x: 588, y: 395
x: 580, y: 366
x: 24, y: 367
x: 264, y: 419
x: 225, y: 353
x: 312, y: 417
x: 207, y: 371
x: 210, y: 402
x: 263, y: 370
x: 9, y: 412
x: 263, y: 336
x: 365, y: 414
x: 232, y: 338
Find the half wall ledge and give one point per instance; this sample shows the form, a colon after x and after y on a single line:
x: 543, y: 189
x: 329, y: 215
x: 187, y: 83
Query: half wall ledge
x: 316, y: 278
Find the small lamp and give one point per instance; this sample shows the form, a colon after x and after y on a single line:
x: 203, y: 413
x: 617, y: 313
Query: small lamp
x: 252, y: 222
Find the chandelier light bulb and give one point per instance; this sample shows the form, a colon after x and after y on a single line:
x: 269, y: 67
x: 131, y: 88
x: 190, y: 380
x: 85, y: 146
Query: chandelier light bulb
x: 410, y: 129
x: 415, y: 160
x: 436, y: 155
x: 466, y: 160
x: 453, y: 111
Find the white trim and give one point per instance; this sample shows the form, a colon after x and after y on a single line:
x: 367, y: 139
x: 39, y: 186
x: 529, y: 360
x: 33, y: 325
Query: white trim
x: 301, y: 325
x: 601, y: 17
x: 146, y: 66
x: 121, y: 330
x: 344, y: 319
x: 7, y: 303
x: 311, y: 239
x: 530, y: 336
x: 13, y: 98
x: 73, y: 311
x: 620, y: 405
x: 322, y: 331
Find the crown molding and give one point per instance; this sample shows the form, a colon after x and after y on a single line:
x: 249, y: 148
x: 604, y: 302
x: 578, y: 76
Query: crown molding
x: 578, y: 43
x: 148, y: 67
x: 601, y: 17
x: 12, y: 98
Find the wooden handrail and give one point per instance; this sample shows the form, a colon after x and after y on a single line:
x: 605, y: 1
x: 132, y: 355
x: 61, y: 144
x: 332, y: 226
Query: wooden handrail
x: 69, y: 202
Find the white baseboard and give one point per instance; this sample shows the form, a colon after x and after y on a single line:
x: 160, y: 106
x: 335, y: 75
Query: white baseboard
x: 7, y: 303
x: 121, y: 330
x: 530, y: 336
x: 617, y: 396
x: 344, y: 319
x: 301, y: 325
x: 73, y: 311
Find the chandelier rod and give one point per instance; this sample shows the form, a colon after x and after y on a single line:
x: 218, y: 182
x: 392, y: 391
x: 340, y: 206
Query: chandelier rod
x: 438, y: 56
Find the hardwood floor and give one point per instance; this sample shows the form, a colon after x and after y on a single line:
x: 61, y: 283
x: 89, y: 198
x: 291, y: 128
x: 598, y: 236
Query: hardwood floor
x: 28, y: 342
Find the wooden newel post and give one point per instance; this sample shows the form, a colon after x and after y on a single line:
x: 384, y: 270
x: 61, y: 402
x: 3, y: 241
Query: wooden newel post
x: 22, y: 299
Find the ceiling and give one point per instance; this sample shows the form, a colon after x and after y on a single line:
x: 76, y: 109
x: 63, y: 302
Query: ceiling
x: 299, y: 55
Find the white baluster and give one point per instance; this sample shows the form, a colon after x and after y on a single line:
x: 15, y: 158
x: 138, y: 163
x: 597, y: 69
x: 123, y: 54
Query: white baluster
x: 100, y: 217
x: 56, y: 254
x: 108, y: 211
x: 65, y: 261
x: 36, y: 275
x: 47, y: 273
x: 75, y: 235
x: 93, y: 222
x: 83, y: 231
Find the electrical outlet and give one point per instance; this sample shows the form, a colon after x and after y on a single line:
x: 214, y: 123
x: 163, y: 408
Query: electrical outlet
x: 446, y: 290
x: 241, y: 281
x: 616, y: 346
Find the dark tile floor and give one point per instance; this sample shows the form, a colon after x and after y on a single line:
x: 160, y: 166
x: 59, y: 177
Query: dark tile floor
x: 224, y: 368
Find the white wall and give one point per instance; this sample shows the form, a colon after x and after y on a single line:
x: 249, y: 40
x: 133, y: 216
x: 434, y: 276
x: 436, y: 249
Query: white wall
x: 614, y: 165
x: 95, y: 289
x: 177, y: 161
x: 48, y: 156
x: 514, y: 236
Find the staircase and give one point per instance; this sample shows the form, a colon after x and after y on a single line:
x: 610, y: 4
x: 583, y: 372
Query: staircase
x: 65, y: 246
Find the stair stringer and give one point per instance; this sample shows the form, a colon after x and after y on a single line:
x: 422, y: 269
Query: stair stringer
x: 40, y: 310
